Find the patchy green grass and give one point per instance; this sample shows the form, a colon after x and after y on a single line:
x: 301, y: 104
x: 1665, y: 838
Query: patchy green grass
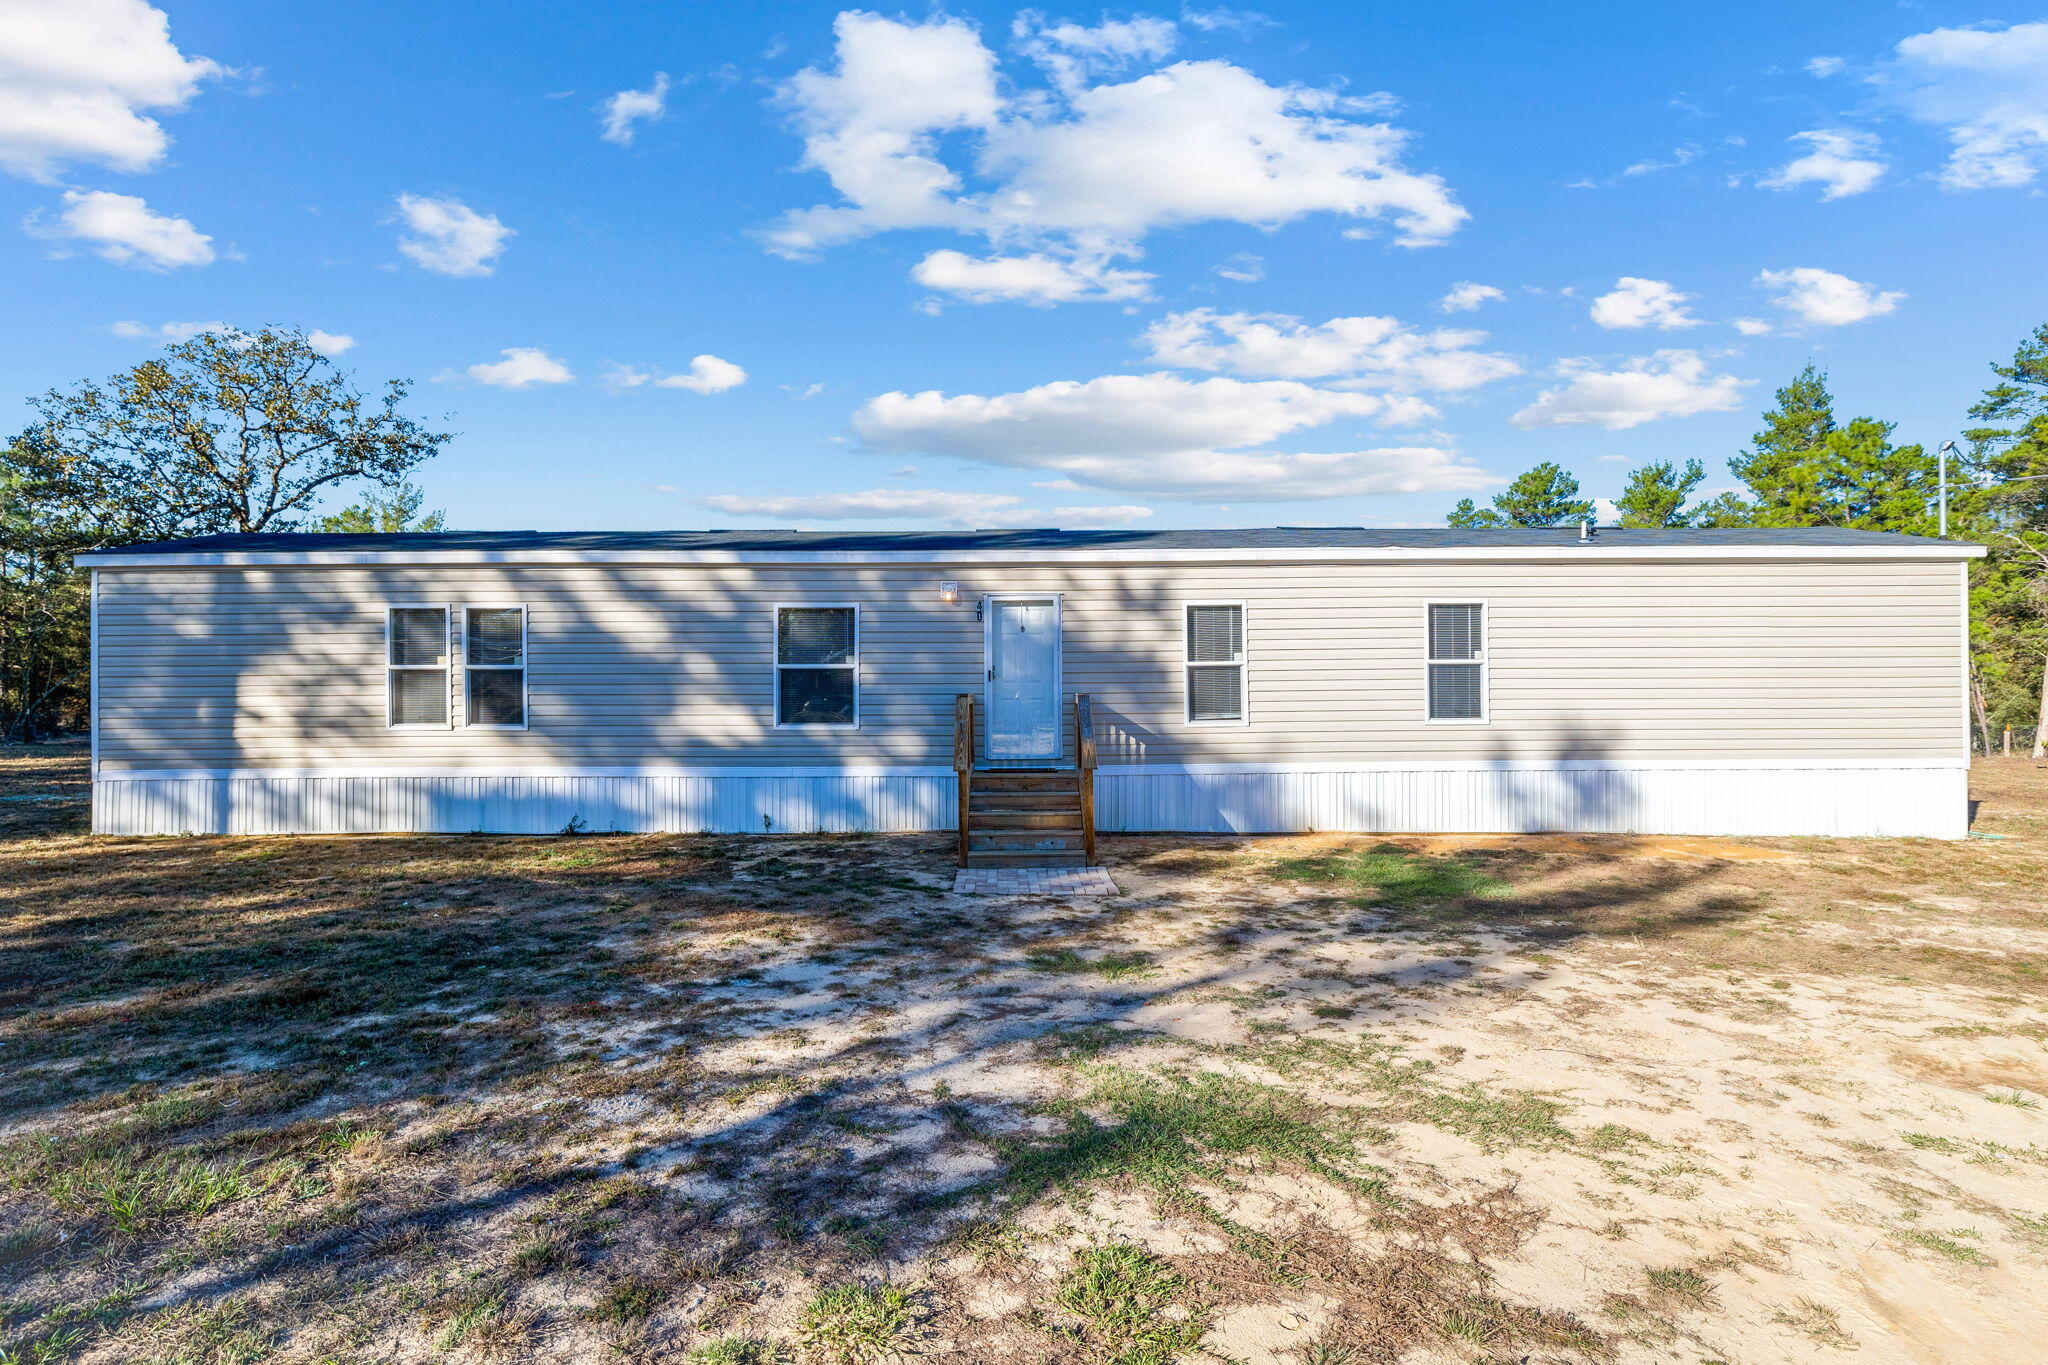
x: 737, y: 1351
x: 1681, y: 1283
x: 1390, y: 875
x: 852, y: 1324
x: 1132, y: 1307
x: 1956, y: 1244
x: 1165, y: 1130
x: 628, y: 1300
x: 1108, y: 966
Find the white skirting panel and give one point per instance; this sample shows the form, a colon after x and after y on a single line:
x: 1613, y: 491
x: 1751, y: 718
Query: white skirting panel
x: 1731, y: 798
x: 837, y: 804
x: 1895, y: 802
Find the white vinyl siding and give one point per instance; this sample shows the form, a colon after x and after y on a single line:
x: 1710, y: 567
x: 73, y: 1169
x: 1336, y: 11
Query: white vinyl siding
x: 416, y: 668
x: 1455, y: 670
x: 280, y: 669
x: 494, y: 667
x: 1214, y: 662
x: 817, y: 665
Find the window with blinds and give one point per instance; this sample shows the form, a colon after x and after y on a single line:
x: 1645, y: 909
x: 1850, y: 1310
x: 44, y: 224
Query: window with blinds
x: 1456, y: 663
x: 1215, y: 662
x: 494, y: 667
x: 416, y: 666
x: 817, y: 665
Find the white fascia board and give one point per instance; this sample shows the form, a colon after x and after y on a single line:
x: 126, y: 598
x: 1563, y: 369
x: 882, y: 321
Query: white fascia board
x: 1358, y: 554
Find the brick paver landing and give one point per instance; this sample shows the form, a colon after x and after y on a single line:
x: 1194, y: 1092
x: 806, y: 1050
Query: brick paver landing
x: 1033, y: 881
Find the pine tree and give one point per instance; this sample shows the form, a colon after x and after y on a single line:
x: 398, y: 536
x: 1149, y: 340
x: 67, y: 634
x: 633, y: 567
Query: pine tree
x: 1656, y: 494
x: 1467, y: 515
x: 395, y: 510
x: 1806, y: 469
x: 1869, y: 484
x: 1780, y: 467
x: 1543, y: 496
x: 2008, y: 511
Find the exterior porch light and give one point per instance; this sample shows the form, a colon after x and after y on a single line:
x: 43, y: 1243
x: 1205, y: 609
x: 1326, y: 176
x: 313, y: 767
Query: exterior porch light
x: 949, y: 591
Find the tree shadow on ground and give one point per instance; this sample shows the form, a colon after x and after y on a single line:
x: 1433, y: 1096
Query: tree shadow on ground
x: 404, y: 1046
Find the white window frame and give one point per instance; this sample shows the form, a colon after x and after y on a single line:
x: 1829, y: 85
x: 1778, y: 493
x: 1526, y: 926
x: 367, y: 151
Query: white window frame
x: 446, y: 668
x: 1485, y: 662
x: 525, y: 665
x: 1243, y: 665
x: 776, y: 664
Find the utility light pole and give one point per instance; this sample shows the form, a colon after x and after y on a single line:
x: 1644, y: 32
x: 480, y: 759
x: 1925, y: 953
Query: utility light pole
x: 1941, y: 454
x: 1941, y: 458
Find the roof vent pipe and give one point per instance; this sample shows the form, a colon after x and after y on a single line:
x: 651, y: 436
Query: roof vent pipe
x: 1587, y: 530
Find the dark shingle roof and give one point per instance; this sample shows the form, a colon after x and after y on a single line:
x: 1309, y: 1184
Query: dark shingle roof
x: 1252, y: 538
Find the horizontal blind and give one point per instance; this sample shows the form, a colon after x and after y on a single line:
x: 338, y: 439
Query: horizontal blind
x: 1215, y: 634
x: 419, y: 696
x: 1216, y: 693
x: 1455, y: 630
x: 419, y: 635
x: 497, y: 696
x: 496, y: 636
x: 1456, y: 691
x: 814, y: 635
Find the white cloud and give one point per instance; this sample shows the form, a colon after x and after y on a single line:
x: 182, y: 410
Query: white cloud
x: 1084, y: 170
x: 1667, y: 384
x: 630, y: 107
x: 707, y: 374
x: 1243, y: 267
x: 449, y: 237
x: 330, y: 344
x: 169, y: 333
x: 1683, y: 155
x: 75, y: 76
x: 122, y: 229
x: 1822, y: 298
x: 1637, y: 302
x: 1208, y: 141
x: 1988, y: 89
x: 1366, y: 352
x: 522, y: 367
x: 1162, y: 435
x: 1465, y: 296
x: 1825, y: 66
x: 1037, y: 278
x: 1240, y: 23
x: 1753, y: 327
x: 1841, y: 161
x: 1071, y: 53
x: 871, y: 126
x: 982, y: 511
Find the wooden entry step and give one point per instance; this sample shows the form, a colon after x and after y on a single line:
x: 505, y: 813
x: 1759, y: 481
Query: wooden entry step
x: 1019, y: 817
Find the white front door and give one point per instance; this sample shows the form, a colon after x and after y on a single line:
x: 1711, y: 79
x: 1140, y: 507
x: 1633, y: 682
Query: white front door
x: 1023, y: 646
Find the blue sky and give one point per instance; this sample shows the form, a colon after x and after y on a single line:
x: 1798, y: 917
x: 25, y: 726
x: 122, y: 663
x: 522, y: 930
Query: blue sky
x: 986, y: 266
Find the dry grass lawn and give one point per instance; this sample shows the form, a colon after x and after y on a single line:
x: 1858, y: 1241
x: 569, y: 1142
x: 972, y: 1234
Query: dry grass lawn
x: 1320, y: 1100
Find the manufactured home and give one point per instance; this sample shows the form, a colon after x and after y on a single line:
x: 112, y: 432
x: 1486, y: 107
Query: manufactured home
x: 1028, y: 688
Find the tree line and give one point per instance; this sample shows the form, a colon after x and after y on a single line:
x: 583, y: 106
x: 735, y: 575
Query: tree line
x: 229, y: 431
x: 1807, y: 467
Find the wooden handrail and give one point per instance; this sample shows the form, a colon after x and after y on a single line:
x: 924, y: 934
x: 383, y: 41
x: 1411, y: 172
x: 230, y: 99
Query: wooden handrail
x: 1084, y: 765
x: 963, y: 760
